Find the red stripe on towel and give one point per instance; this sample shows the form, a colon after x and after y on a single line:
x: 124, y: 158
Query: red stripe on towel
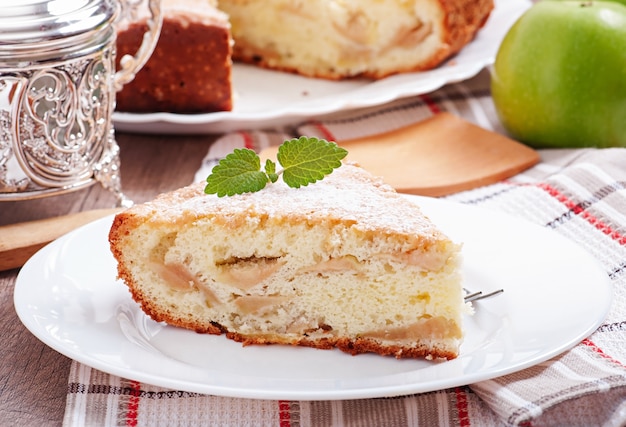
x: 133, y: 404
x: 284, y: 415
x: 431, y: 104
x: 579, y: 210
x: 461, y: 407
x: 248, y: 140
x: 598, y: 350
x: 326, y: 133
x: 561, y: 197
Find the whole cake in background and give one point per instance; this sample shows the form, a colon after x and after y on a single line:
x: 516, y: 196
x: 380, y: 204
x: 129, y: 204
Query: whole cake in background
x: 190, y: 70
x: 345, y: 263
x: 338, y: 39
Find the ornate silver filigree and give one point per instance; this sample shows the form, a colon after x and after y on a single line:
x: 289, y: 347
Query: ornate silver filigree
x: 58, y: 127
x: 57, y: 97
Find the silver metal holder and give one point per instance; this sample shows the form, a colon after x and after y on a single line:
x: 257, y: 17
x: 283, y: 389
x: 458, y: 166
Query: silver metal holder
x: 57, y: 96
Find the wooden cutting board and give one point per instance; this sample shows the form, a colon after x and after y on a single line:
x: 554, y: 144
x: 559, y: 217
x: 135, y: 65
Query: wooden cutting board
x: 18, y: 242
x: 441, y: 155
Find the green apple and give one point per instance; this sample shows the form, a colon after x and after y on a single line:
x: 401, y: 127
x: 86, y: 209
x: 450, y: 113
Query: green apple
x: 559, y: 78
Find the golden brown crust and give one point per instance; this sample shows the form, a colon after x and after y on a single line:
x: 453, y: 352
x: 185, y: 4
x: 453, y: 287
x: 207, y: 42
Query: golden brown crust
x: 463, y: 19
x: 188, y: 72
x: 354, y: 346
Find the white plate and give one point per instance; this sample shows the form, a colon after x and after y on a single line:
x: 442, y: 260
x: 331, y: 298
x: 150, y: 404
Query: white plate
x: 555, y: 295
x: 268, y: 98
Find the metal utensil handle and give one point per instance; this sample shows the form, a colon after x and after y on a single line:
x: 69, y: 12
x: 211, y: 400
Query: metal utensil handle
x: 130, y: 65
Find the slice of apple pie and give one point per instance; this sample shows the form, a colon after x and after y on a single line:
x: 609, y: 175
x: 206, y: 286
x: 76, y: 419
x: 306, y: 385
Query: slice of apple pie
x: 346, y: 263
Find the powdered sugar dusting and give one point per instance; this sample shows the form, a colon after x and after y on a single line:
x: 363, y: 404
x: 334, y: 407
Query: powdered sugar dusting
x: 349, y: 195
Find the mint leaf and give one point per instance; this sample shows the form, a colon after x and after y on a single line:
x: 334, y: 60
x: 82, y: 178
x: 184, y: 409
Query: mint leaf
x: 270, y: 170
x: 239, y: 172
x: 306, y: 160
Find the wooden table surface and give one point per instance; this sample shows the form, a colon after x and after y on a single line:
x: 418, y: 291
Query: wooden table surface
x: 33, y: 377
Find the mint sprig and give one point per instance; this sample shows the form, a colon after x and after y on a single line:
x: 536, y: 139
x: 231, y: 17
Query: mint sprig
x: 304, y: 161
